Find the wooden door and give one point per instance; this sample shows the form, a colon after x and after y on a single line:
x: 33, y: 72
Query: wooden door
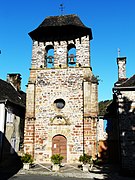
x: 59, y: 146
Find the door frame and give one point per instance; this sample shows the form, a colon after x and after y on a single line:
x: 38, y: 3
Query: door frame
x: 63, y: 138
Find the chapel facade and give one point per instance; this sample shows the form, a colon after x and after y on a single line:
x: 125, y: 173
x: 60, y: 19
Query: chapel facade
x: 62, y: 92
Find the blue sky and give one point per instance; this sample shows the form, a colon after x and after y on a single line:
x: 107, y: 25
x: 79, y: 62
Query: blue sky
x: 112, y: 23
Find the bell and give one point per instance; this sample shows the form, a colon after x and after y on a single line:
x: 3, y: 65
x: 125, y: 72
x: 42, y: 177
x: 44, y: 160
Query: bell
x: 50, y: 59
x: 71, y: 59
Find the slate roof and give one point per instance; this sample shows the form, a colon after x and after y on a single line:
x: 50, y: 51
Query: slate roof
x: 65, y: 20
x: 130, y: 82
x: 8, y: 92
x: 60, y: 28
x: 125, y: 83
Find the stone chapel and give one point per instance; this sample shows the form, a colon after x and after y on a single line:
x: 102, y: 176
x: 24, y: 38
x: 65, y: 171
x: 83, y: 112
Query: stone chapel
x: 62, y: 92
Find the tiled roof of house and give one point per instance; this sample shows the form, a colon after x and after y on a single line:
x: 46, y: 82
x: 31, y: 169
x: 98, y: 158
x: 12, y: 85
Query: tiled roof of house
x: 130, y: 82
x: 60, y: 28
x: 8, y: 92
x: 125, y: 83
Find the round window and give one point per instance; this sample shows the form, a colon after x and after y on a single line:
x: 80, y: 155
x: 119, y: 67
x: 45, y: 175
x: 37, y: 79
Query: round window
x: 60, y: 103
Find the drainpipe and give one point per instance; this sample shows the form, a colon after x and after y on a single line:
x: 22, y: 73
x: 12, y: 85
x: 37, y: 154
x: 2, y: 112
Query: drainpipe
x: 97, y: 131
x: 34, y: 121
x: 83, y: 116
x: 117, y: 93
x: 2, y: 125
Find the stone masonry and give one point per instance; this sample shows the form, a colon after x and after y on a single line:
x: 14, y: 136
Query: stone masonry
x: 73, y: 87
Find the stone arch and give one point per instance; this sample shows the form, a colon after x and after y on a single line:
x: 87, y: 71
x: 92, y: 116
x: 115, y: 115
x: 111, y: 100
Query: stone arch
x: 63, y: 130
x: 59, y: 120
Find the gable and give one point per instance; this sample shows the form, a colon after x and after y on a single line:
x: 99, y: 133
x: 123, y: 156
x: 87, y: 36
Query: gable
x: 8, y: 92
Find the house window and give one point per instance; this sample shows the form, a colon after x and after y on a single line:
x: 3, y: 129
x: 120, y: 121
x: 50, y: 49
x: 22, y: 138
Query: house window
x: 49, y: 56
x: 71, y: 55
x: 10, y: 116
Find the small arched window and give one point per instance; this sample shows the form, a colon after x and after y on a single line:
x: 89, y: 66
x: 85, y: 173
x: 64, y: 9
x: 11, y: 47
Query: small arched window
x: 49, y: 56
x: 71, y: 55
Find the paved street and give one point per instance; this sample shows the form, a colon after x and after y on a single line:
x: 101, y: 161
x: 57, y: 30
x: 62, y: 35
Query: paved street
x: 67, y: 172
x: 42, y: 177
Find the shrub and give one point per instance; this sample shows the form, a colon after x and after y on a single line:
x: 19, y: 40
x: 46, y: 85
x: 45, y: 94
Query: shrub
x: 57, y: 159
x: 27, y: 158
x: 86, y: 159
x: 98, y: 162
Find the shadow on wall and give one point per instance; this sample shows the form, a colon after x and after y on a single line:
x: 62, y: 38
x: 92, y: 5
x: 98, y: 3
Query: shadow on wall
x: 112, y: 130
x: 121, y: 134
x: 127, y: 137
x: 10, y: 162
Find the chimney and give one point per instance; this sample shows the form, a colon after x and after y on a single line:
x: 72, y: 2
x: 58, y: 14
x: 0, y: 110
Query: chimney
x: 121, y: 62
x: 15, y: 80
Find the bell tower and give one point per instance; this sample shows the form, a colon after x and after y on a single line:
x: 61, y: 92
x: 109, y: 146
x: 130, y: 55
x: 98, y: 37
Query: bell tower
x: 62, y: 95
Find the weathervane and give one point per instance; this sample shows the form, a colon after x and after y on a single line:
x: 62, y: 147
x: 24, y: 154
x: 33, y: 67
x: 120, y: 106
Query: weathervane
x: 61, y: 9
x: 118, y: 52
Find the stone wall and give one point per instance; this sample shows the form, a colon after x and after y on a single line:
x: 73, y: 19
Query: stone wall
x: 126, y: 102
x: 76, y: 121
x: 82, y: 52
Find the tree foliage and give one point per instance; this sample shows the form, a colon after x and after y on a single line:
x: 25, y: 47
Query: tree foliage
x: 103, y: 106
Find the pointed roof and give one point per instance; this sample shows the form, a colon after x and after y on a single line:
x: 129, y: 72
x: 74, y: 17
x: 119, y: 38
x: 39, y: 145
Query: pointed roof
x: 62, y: 27
x: 8, y: 92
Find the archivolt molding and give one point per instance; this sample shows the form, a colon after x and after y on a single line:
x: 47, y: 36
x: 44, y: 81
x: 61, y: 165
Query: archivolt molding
x: 59, y: 120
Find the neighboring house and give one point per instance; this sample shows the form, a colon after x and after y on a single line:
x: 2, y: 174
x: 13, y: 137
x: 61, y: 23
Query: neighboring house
x: 121, y: 115
x: 102, y: 135
x: 12, y: 113
x: 62, y: 94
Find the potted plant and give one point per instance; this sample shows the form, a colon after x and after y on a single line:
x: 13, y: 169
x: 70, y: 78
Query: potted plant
x: 27, y: 160
x: 86, y: 160
x: 56, y: 160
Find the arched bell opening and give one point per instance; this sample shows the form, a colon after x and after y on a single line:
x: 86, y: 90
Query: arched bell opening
x: 49, y: 56
x: 71, y: 56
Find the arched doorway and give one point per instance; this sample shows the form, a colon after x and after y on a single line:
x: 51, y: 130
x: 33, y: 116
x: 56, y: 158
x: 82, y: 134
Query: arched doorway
x: 59, y: 146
